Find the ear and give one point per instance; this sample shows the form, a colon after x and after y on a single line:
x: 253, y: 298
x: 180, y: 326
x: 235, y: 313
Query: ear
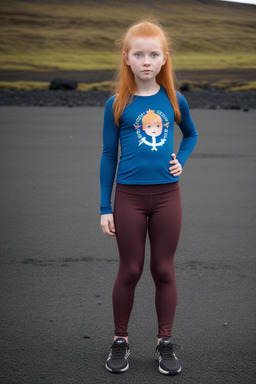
x: 125, y: 58
x: 165, y: 57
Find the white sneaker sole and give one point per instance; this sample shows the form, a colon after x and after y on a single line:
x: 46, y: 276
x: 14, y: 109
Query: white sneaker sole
x: 117, y: 370
x: 161, y: 370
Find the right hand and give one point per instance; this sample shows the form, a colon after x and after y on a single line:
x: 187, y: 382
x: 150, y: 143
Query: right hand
x: 107, y: 224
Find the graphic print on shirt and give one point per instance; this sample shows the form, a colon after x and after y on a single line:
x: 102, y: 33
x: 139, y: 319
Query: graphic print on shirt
x: 151, y: 130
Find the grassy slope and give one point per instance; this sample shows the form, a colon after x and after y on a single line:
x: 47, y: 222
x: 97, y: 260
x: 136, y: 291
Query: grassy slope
x: 80, y: 35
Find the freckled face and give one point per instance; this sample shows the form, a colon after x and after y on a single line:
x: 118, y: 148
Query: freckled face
x: 145, y: 58
x: 153, y: 129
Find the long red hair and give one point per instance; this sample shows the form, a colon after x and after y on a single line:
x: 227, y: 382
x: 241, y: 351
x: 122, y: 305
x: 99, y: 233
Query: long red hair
x: 126, y: 85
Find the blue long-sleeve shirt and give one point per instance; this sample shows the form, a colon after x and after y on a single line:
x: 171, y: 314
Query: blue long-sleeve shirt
x: 146, y: 134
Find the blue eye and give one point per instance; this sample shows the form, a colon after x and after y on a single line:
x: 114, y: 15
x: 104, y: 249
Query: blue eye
x: 138, y: 55
x: 154, y: 55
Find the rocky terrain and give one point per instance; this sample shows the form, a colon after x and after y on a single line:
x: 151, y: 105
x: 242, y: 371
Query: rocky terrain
x: 208, y: 99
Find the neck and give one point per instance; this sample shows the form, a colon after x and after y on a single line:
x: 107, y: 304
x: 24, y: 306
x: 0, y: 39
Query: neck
x: 146, y: 88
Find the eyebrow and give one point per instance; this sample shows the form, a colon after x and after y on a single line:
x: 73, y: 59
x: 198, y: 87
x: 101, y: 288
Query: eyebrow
x: 140, y: 51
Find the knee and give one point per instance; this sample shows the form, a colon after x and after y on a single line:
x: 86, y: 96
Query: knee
x: 163, y: 275
x: 133, y: 275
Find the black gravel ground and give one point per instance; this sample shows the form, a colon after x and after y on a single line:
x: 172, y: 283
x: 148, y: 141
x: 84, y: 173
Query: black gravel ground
x: 57, y: 268
x: 210, y: 99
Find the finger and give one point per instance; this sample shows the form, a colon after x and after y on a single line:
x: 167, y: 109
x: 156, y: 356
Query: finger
x: 174, y: 168
x: 107, y: 231
x: 111, y: 234
x: 175, y: 165
x: 178, y: 173
x: 173, y: 156
x: 105, y: 228
x: 111, y: 228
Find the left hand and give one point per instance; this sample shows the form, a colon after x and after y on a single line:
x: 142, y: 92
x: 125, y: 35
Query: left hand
x: 176, y: 168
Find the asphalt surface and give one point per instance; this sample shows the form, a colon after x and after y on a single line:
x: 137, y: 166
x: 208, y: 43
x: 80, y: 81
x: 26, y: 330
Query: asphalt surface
x: 58, y: 268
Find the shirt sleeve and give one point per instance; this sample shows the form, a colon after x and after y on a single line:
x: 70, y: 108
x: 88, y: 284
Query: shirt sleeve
x: 109, y: 157
x: 188, y: 130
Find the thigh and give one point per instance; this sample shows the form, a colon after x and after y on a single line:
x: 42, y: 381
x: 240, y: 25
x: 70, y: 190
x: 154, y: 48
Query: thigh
x: 131, y: 227
x: 164, y: 226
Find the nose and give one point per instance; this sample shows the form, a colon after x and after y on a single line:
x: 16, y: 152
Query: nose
x: 146, y: 61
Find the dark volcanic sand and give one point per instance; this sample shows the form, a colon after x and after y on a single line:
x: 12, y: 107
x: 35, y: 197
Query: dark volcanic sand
x: 58, y: 268
x: 210, y: 99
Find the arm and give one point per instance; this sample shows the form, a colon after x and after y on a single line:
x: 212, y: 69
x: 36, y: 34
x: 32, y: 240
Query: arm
x: 188, y: 129
x: 109, y: 158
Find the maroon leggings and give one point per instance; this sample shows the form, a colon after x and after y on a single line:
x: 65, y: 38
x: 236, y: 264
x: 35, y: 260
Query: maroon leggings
x: 138, y: 208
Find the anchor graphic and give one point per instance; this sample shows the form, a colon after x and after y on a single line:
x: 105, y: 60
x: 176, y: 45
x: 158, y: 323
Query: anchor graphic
x: 154, y: 144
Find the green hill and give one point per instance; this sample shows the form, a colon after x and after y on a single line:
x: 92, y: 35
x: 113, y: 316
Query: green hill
x: 80, y: 35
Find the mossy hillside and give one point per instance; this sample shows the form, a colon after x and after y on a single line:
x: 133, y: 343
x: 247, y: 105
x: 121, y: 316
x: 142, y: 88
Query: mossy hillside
x: 80, y: 35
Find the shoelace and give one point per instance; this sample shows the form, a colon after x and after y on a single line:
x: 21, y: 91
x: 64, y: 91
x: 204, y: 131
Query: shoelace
x: 167, y: 350
x: 118, y: 351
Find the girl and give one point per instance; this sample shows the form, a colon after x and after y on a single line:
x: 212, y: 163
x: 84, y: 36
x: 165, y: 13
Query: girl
x: 141, y: 116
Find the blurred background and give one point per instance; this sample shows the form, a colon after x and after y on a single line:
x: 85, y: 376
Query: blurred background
x: 213, y: 41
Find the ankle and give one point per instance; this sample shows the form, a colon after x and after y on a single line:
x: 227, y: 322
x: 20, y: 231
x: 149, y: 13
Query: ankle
x: 161, y: 338
x: 123, y: 337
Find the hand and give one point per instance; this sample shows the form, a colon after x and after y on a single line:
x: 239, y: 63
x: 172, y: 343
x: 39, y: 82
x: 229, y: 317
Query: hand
x: 107, y: 224
x: 176, y: 168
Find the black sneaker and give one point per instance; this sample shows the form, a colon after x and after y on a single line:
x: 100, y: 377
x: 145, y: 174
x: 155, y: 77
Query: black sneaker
x: 168, y: 362
x: 117, y: 361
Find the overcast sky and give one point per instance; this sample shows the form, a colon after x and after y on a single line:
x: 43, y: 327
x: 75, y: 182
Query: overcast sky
x: 242, y: 1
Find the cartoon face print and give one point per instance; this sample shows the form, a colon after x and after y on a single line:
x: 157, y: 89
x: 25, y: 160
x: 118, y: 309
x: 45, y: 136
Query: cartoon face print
x: 152, y: 124
x: 153, y: 129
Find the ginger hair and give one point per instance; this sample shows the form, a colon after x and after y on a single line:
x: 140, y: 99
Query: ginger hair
x: 126, y: 85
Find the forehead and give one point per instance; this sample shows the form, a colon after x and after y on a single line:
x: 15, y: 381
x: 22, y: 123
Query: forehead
x: 146, y: 43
